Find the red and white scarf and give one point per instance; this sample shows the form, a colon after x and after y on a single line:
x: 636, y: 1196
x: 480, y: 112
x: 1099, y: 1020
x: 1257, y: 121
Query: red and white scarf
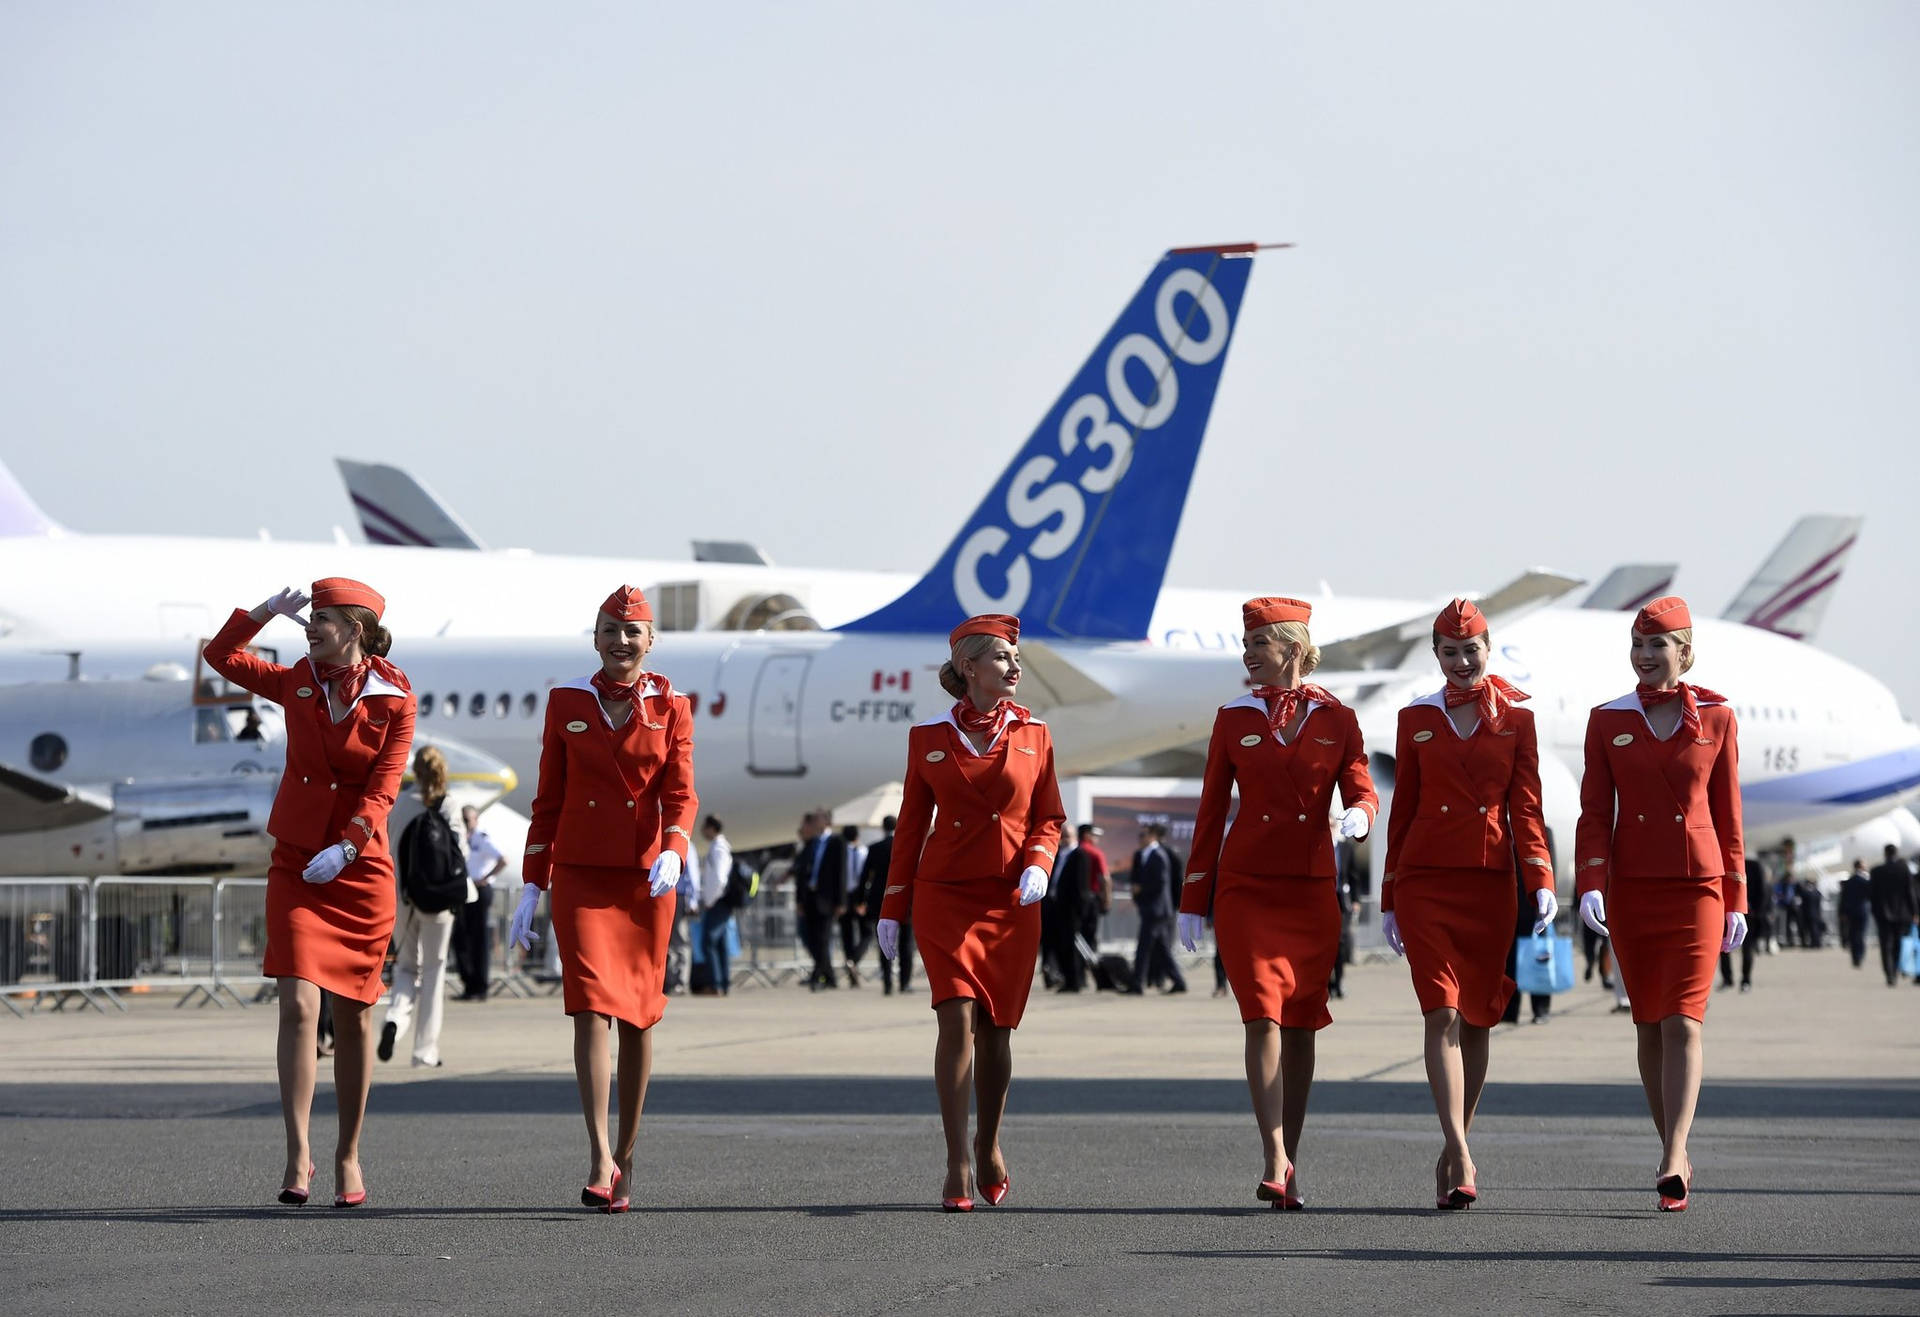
x: 348, y: 680
x: 1284, y: 701
x: 1495, y: 696
x: 1690, y: 698
x: 991, y: 722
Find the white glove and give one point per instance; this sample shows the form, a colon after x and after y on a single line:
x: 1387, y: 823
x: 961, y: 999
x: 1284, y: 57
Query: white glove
x: 1390, y: 930
x: 326, y: 866
x: 665, y: 875
x: 1549, y: 907
x: 1736, y: 932
x: 1033, y: 884
x: 1354, y: 824
x: 887, y: 934
x: 288, y: 604
x: 520, y: 932
x: 1190, y: 927
x: 1593, y: 913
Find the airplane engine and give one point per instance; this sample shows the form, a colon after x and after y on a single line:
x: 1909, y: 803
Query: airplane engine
x: 188, y: 825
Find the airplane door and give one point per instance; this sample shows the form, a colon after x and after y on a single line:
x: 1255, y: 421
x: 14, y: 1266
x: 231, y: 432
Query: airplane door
x: 773, y: 734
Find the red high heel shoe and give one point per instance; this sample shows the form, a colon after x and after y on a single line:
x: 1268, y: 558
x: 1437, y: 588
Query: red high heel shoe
x: 354, y: 1199
x: 599, y: 1196
x: 1674, y: 1191
x: 298, y: 1197
x: 616, y: 1201
x: 996, y: 1194
x: 1275, y: 1191
x: 956, y: 1204
x: 1461, y: 1197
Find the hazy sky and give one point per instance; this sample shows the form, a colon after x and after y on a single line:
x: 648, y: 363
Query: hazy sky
x: 1575, y: 283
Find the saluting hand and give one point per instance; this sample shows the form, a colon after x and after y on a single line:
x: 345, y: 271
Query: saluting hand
x: 288, y: 604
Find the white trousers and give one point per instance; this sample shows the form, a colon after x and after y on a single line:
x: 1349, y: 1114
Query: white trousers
x: 420, y: 972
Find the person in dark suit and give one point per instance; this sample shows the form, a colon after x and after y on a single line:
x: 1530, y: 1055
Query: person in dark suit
x: 1153, y: 898
x: 1760, y: 914
x: 1893, y: 909
x: 819, y: 892
x: 1072, y: 897
x: 873, y: 890
x: 1856, y: 907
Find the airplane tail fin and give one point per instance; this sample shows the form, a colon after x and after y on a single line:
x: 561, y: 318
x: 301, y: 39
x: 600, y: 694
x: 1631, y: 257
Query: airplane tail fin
x: 20, y: 516
x: 394, y: 508
x: 1631, y: 586
x: 1790, y: 593
x: 1075, y: 535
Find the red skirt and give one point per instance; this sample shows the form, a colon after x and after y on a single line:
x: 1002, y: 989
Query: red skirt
x: 1278, y: 938
x: 1457, y: 925
x: 1666, y: 937
x: 613, y: 942
x: 976, y: 940
x: 332, y: 934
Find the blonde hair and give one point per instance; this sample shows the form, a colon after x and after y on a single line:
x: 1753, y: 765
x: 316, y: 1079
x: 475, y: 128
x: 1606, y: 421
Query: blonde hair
x: 969, y: 648
x: 1684, y: 636
x: 1295, y: 634
x: 430, y: 772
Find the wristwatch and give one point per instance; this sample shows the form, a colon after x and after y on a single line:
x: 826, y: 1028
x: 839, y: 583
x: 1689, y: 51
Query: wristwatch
x: 352, y: 851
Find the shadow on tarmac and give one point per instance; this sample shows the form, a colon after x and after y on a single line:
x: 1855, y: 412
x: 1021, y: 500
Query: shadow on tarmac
x: 872, y: 1096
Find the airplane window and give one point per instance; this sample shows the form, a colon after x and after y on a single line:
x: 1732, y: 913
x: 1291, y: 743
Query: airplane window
x: 210, y: 725
x: 528, y: 705
x: 477, y: 704
x: 503, y: 706
x: 452, y: 703
x: 47, y: 752
x: 426, y: 705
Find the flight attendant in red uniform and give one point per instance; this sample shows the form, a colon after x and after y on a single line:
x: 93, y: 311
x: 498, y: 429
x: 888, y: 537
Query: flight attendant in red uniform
x: 330, y: 885
x: 980, y: 820
x: 1466, y: 804
x: 1269, y: 881
x: 1663, y: 865
x: 612, y: 818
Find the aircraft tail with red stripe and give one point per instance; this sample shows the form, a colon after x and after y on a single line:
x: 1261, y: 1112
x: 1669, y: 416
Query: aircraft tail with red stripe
x: 1790, y: 593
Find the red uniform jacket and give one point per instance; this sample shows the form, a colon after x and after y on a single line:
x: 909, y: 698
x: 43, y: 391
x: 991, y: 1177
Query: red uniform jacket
x: 998, y: 812
x: 1468, y: 802
x: 611, y: 796
x: 1286, y: 796
x: 1657, y: 809
x: 336, y: 772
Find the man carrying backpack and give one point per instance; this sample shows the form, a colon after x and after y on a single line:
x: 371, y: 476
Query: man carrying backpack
x: 431, y: 860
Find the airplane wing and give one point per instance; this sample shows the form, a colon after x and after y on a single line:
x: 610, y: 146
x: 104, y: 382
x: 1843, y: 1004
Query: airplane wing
x: 394, y: 508
x: 1379, y: 652
x: 1057, y: 680
x: 1790, y: 593
x: 34, y: 804
x: 1632, y: 585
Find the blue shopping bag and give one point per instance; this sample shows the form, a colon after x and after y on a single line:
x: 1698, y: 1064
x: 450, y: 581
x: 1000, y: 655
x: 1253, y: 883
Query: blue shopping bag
x: 1910, y: 953
x: 1544, y: 964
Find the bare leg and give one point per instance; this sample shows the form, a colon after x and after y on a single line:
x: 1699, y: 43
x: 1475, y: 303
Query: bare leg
x: 992, y: 1077
x: 952, y: 1076
x: 594, y: 1073
x: 1296, y: 1078
x: 636, y: 1067
x: 352, y: 1077
x: 1263, y: 1083
x: 295, y: 1054
x: 1680, y: 1067
x: 1652, y: 1059
x: 1447, y: 1078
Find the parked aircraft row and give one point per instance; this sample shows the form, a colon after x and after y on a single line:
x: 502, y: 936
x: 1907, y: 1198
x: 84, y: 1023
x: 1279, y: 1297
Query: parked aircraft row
x: 792, y: 718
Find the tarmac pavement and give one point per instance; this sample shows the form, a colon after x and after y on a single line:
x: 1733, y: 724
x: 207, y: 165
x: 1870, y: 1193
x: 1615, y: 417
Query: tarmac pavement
x: 791, y: 1160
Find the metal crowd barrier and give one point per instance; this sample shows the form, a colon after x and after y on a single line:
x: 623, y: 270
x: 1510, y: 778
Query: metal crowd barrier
x: 86, y: 942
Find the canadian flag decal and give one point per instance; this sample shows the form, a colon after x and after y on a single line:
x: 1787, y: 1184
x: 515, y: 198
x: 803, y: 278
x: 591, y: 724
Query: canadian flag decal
x: 892, y: 681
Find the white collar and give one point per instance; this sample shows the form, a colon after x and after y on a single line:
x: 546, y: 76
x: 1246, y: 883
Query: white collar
x: 655, y: 684
x: 1438, y: 699
x: 1006, y: 726
x: 374, y: 685
x: 1631, y: 700
x: 1252, y: 701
